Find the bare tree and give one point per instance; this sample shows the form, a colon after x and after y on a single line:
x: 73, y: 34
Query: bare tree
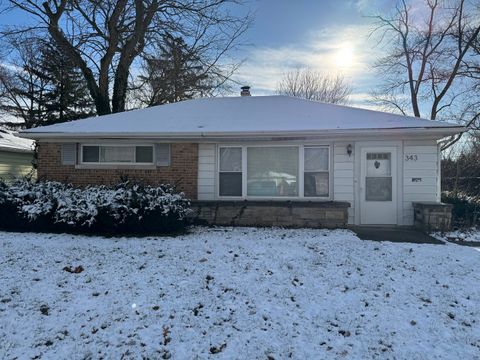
x: 429, y: 45
x: 104, y: 38
x: 312, y: 85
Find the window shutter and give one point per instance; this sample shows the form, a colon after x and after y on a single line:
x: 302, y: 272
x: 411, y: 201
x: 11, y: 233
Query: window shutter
x: 162, y: 154
x: 69, y: 154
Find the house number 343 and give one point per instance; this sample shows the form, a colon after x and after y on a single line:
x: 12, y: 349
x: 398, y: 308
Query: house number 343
x: 411, y: 157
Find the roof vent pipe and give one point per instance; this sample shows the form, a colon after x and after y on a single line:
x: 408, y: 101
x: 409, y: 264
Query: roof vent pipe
x: 245, y: 91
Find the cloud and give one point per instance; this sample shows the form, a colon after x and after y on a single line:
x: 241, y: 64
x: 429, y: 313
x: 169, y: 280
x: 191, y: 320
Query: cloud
x: 345, y: 50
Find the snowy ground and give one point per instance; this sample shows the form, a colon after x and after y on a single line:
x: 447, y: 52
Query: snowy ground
x: 237, y: 294
x: 471, y: 236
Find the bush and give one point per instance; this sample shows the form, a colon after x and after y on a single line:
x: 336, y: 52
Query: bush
x: 125, y: 208
x: 466, y: 209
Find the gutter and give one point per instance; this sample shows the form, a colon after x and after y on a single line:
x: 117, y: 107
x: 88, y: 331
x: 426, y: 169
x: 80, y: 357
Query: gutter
x: 16, y: 150
x: 444, y: 131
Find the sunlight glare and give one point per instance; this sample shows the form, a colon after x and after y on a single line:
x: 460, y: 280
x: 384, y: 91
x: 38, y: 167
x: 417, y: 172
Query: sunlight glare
x: 344, y: 57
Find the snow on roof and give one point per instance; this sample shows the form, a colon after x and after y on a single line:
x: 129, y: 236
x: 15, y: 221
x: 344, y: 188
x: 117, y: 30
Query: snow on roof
x: 238, y: 115
x: 10, y: 142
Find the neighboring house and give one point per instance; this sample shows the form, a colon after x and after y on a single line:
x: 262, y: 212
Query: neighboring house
x: 16, y: 156
x: 296, y: 162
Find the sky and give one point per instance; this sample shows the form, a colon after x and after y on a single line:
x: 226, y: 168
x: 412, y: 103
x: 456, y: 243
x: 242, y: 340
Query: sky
x: 329, y: 36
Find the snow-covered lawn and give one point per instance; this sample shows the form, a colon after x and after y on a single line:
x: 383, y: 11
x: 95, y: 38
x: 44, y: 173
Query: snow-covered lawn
x: 471, y: 235
x: 239, y: 293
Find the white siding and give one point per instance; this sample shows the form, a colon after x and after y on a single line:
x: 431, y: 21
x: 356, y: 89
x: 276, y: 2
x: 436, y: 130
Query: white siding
x: 423, y: 167
x: 343, y: 175
x: 420, y: 163
x: 206, y: 171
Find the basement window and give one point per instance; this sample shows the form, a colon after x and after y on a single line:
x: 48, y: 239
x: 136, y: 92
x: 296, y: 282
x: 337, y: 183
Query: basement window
x: 117, y: 154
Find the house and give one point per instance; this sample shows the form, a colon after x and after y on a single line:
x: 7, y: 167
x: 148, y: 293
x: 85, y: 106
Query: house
x: 16, y: 156
x: 266, y: 160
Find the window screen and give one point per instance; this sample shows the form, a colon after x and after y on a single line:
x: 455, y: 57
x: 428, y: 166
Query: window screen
x: 272, y: 171
x: 230, y: 171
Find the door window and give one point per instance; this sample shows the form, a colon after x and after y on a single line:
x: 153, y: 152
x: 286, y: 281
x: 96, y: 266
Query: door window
x: 378, y: 180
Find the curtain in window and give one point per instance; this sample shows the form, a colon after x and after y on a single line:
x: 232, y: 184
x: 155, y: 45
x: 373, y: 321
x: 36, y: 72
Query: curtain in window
x: 117, y: 154
x: 316, y: 177
x: 272, y: 171
x: 230, y: 171
x: 231, y: 159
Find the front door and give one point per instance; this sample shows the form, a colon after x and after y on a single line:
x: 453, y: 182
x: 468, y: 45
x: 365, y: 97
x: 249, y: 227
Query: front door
x: 378, y: 186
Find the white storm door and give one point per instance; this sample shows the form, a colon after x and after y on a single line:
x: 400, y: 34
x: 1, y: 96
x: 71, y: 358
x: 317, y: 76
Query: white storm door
x: 378, y: 186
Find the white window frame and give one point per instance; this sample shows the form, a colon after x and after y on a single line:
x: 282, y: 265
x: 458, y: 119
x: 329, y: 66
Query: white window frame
x: 241, y: 171
x: 99, y: 163
x: 328, y: 171
x: 300, y: 175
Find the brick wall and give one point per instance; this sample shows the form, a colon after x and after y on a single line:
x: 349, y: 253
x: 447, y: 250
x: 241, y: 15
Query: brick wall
x: 182, y: 171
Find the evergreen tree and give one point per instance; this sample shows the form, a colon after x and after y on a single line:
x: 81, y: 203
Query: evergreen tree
x: 68, y: 97
x: 23, y: 90
x: 46, y: 89
x: 176, y: 73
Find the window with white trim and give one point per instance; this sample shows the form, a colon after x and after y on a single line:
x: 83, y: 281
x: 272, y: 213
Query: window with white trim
x: 274, y: 171
x: 316, y: 171
x: 118, y: 154
x: 230, y: 171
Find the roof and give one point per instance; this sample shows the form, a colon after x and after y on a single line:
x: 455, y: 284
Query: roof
x: 10, y: 142
x: 241, y: 116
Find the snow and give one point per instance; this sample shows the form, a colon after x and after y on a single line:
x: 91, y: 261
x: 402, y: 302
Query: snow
x: 240, y: 115
x: 469, y: 235
x: 10, y: 142
x: 229, y: 293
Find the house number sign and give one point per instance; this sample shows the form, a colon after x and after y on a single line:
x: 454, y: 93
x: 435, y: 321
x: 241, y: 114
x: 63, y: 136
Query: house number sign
x: 411, y: 157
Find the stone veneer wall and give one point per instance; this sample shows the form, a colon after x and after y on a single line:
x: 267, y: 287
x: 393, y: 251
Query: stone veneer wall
x: 271, y: 213
x: 182, y: 171
x: 432, y: 216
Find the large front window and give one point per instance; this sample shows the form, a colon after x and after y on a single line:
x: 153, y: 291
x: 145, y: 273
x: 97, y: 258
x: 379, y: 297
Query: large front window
x: 274, y: 171
x: 117, y: 154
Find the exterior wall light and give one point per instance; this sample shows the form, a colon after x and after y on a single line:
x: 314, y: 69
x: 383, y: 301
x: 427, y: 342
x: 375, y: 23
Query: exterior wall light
x: 349, y: 150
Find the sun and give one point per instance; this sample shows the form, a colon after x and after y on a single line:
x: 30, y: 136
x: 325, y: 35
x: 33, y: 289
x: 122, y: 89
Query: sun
x: 345, y: 57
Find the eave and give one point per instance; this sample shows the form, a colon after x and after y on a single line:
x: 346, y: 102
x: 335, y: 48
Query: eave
x: 434, y: 132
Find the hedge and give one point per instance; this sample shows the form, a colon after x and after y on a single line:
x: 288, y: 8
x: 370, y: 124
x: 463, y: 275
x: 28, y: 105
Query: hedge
x: 127, y: 208
x: 466, y: 209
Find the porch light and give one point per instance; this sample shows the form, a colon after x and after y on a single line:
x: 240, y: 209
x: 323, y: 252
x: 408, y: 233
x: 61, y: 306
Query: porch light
x: 349, y: 150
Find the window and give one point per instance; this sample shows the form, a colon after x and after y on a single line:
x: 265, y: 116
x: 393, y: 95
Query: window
x: 144, y: 154
x: 272, y: 171
x: 378, y: 182
x: 316, y: 172
x: 230, y: 171
x: 117, y: 154
x: 91, y: 154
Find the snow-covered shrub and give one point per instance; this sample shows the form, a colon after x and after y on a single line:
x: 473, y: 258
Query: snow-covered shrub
x: 126, y: 208
x: 466, y: 208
